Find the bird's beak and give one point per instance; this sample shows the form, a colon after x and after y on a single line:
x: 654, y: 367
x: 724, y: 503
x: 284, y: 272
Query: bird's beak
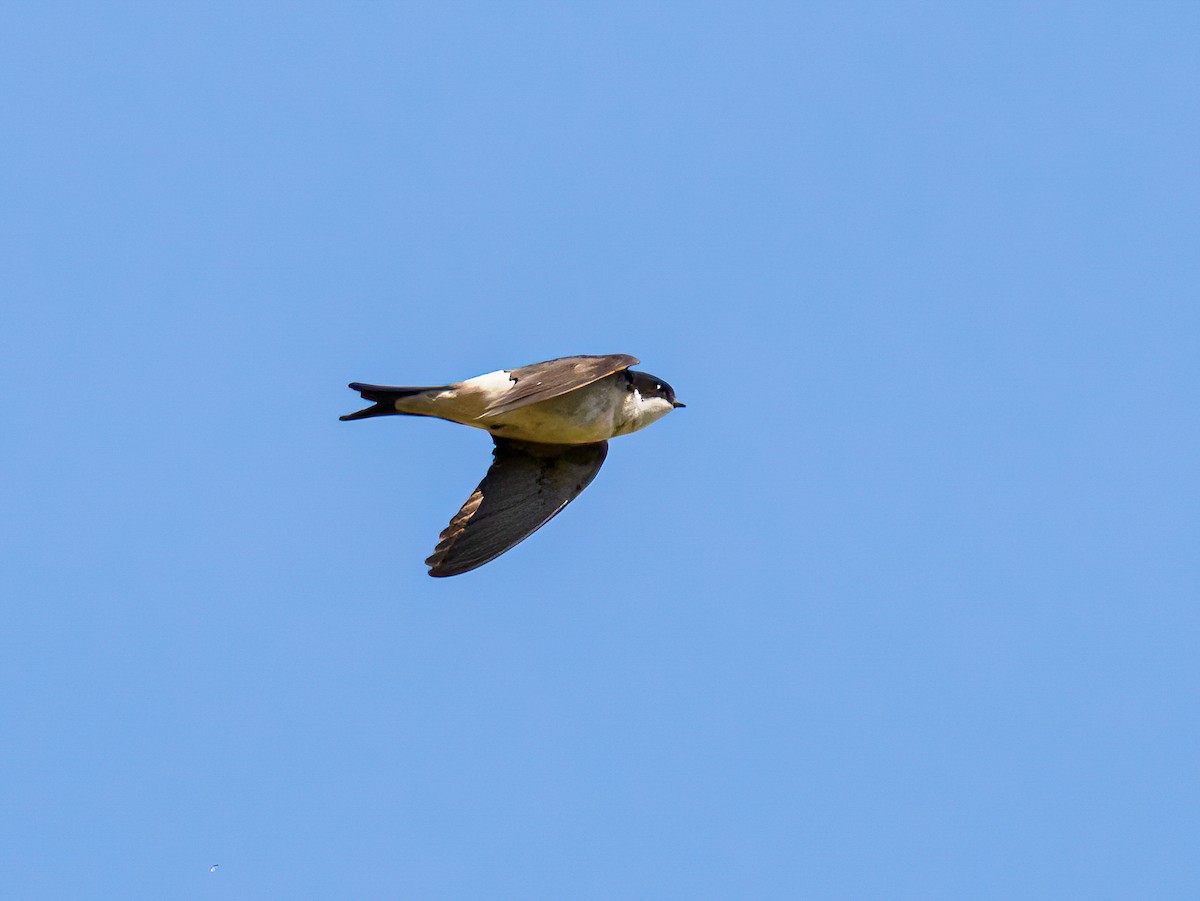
x: 676, y: 404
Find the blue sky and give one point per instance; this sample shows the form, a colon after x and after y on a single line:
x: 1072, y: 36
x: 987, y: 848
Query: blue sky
x: 904, y: 604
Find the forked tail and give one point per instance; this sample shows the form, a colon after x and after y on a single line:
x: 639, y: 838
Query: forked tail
x: 384, y: 398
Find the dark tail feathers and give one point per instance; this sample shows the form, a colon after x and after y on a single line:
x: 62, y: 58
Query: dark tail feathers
x: 384, y: 397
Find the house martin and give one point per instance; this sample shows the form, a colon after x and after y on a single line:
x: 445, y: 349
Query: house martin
x: 550, y: 423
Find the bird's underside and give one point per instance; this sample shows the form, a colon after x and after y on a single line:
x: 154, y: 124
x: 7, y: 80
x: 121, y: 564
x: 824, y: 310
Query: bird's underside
x: 526, y: 486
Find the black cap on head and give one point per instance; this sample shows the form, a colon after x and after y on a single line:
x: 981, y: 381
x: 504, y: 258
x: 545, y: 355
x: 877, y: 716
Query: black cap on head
x: 652, y: 386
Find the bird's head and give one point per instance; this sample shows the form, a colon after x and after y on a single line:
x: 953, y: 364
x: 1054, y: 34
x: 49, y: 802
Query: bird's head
x: 658, y: 398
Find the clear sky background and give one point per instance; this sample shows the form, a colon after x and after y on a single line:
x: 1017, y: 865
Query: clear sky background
x: 904, y: 604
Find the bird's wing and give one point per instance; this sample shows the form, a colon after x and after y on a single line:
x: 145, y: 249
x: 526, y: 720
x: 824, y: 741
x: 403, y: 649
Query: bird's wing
x: 526, y: 486
x: 541, y: 381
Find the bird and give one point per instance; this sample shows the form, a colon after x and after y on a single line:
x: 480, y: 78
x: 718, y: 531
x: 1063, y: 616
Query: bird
x: 550, y: 423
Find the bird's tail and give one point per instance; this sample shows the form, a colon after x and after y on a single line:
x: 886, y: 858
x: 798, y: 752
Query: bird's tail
x: 384, y: 398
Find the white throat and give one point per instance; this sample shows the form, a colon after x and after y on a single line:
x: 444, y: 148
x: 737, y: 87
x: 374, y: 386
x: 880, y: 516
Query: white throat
x: 640, y: 412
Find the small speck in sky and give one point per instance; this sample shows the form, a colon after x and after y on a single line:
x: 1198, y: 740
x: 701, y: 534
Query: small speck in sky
x: 213, y: 868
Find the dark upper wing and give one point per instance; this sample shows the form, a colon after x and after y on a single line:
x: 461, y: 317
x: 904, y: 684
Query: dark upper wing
x: 541, y: 381
x: 526, y: 486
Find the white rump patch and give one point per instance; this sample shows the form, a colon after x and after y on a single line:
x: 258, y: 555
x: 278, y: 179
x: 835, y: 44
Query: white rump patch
x: 491, y: 384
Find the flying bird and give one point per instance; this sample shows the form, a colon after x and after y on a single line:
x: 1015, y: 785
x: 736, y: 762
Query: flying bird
x: 550, y: 423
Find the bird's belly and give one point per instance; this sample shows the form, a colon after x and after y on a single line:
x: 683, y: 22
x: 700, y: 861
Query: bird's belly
x: 580, y: 417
